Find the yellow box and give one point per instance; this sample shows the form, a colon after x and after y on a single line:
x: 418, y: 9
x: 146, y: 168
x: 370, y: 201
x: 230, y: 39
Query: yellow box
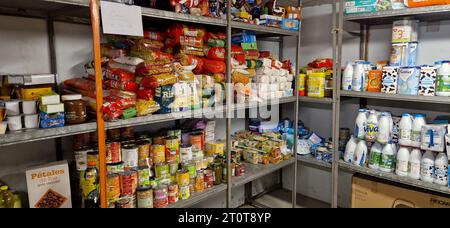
x: 34, y: 93
x: 214, y: 148
x: 316, y: 85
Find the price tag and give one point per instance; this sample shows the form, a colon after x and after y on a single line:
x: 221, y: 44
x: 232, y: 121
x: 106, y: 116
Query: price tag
x: 121, y: 19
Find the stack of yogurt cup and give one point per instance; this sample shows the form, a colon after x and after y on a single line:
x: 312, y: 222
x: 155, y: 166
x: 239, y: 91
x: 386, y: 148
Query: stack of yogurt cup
x: 20, y: 114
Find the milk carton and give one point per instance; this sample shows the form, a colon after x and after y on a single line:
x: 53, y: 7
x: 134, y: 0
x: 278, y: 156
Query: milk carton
x: 408, y: 80
x: 389, y: 80
x: 427, y: 81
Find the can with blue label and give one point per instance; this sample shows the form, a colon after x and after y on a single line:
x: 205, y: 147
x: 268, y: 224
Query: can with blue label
x: 165, y: 97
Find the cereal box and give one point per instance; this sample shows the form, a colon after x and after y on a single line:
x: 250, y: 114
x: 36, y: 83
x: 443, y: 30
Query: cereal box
x: 49, y: 186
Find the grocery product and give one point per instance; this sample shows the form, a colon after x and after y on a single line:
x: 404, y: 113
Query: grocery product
x: 375, y: 156
x: 402, y: 162
x: 427, y: 167
x: 316, y: 85
x: 366, y: 6
x: 28, y: 107
x: 408, y: 80
x: 371, y: 128
x: 418, y: 123
x: 405, y: 31
x: 359, y: 77
x: 427, y: 81
x: 433, y: 137
x: 74, y: 109
x: 422, y: 3
x: 387, y: 163
x: 405, y: 129
x: 347, y: 78
x: 415, y: 159
x: 360, y: 154
x: 374, y: 81
x: 441, y: 169
x: 443, y: 80
x: 385, y: 128
x: 390, y: 80
x: 360, y: 125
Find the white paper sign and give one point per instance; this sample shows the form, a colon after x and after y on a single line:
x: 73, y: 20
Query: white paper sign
x: 121, y: 19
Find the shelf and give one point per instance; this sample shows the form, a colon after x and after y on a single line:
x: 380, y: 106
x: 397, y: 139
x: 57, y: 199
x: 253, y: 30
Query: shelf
x: 253, y: 172
x: 395, y: 178
x: 33, y: 135
x: 316, y: 100
x: 396, y: 97
x: 310, y: 160
x: 169, y: 15
x: 430, y: 13
x: 284, y: 100
x: 199, y: 197
x: 263, y: 30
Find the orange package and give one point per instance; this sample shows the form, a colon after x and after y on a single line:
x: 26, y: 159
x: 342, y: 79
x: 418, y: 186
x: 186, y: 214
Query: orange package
x: 374, y: 83
x: 422, y: 3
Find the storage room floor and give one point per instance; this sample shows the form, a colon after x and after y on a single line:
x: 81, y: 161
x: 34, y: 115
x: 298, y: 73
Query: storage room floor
x: 281, y: 198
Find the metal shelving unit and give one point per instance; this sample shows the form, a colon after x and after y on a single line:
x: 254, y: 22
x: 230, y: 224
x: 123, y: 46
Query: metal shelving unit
x: 312, y: 161
x: 87, y: 12
x: 253, y: 172
x: 432, y: 13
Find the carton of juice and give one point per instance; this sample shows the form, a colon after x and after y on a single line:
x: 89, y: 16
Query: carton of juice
x: 374, y: 84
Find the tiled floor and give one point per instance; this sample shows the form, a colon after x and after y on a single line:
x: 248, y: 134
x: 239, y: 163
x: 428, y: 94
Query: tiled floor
x: 282, y: 199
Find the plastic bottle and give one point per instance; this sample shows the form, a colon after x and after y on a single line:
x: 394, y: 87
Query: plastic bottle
x: 360, y: 154
x: 347, y: 78
x: 441, y: 169
x: 384, y: 128
x: 360, y: 125
x: 387, y: 158
x: 414, y: 164
x: 405, y: 128
x: 375, y: 156
x: 350, y: 149
x: 6, y: 198
x: 419, y: 121
x: 372, y: 127
x: 427, y: 167
x: 358, y: 77
x: 443, y: 80
x: 402, y: 162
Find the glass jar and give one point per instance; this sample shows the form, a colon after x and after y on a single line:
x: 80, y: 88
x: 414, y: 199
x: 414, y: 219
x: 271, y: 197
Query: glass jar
x: 74, y: 109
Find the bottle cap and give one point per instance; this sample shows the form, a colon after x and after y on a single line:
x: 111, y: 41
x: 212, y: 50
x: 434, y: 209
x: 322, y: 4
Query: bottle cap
x: 406, y: 115
x: 4, y: 188
x: 420, y: 115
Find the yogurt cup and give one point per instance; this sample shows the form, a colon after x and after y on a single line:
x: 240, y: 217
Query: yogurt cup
x: 12, y: 107
x: 3, y: 126
x: 31, y: 121
x: 14, y: 123
x: 29, y: 107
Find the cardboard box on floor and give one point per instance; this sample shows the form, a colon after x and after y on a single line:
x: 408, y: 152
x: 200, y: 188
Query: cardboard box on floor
x: 371, y: 193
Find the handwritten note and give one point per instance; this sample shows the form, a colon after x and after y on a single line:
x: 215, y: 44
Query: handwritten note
x: 121, y: 19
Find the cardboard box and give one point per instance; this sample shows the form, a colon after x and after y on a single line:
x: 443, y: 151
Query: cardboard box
x: 28, y: 80
x: 360, y: 6
x: 34, y: 93
x: 51, y: 98
x: 52, y: 108
x: 371, y: 193
x: 49, y: 186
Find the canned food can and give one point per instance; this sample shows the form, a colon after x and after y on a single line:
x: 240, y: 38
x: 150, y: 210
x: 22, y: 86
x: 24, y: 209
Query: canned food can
x: 161, y: 197
x: 192, y: 185
x: 200, y: 182
x: 197, y: 154
x: 185, y: 153
x: 127, y: 133
x: 128, y: 182
x: 144, y: 177
x: 185, y: 193
x: 115, y: 168
x: 153, y: 183
x: 124, y: 202
x: 159, y: 154
x: 172, y: 149
x: 197, y: 141
x: 81, y: 159
x: 130, y: 156
x: 113, y: 134
x: 80, y: 141
x: 173, y: 168
x: 209, y: 179
x: 198, y: 165
x: 173, y: 193
x: 158, y: 140
x: 162, y: 171
x: 143, y: 150
x: 183, y: 178
x: 92, y: 156
x: 113, y: 152
x: 113, y: 187
x: 190, y: 167
x: 145, y: 197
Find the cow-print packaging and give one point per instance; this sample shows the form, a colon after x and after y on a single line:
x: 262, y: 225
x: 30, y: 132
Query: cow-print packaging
x: 427, y: 81
x: 390, y: 80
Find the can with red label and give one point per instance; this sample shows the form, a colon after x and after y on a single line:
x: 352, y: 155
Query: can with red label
x: 128, y: 182
x: 173, y: 193
x: 172, y: 149
x: 209, y: 179
x: 113, y: 152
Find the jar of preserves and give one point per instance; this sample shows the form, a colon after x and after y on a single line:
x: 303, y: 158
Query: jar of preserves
x: 74, y: 109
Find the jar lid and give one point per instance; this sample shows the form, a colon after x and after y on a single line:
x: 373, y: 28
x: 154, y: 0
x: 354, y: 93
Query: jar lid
x: 72, y: 97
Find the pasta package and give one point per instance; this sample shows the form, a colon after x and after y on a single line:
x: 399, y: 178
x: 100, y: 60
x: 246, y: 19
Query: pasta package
x: 122, y: 102
x: 145, y: 94
x: 127, y: 86
x: 146, y: 107
x: 240, y: 76
x: 147, y: 45
x: 115, y: 65
x: 191, y: 41
x: 216, y: 53
x: 152, y: 55
x: 155, y: 81
x: 81, y: 84
x: 111, y: 111
x: 186, y: 76
x: 152, y: 34
x: 214, y: 66
x: 150, y: 68
x: 185, y: 50
x: 133, y: 61
x: 111, y: 52
x: 119, y: 75
x: 121, y: 93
